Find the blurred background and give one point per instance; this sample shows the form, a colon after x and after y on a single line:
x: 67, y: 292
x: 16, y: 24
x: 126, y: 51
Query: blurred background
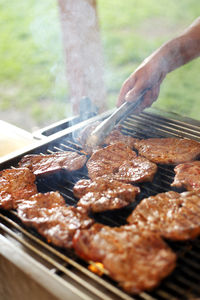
x: 33, y: 86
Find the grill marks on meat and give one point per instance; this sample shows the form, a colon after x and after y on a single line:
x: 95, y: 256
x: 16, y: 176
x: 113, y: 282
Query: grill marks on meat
x: 138, y: 260
x: 172, y: 215
x: 50, y: 216
x: 16, y: 184
x: 104, y: 194
x: 116, y: 136
x: 108, y: 160
x: 121, y: 163
x: 168, y: 150
x: 49, y: 163
x: 188, y: 176
x: 138, y: 169
x: 37, y: 209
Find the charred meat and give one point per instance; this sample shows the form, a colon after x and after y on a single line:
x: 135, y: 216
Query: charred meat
x: 138, y: 260
x: 188, y: 176
x: 49, y: 163
x: 172, y: 215
x: 37, y: 209
x: 104, y: 194
x: 116, y: 136
x: 49, y: 215
x: 108, y: 160
x: 139, y: 169
x: 168, y: 150
x: 121, y: 163
x: 16, y: 184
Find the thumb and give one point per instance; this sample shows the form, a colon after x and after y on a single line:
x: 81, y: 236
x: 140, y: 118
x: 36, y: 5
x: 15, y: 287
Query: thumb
x: 133, y: 94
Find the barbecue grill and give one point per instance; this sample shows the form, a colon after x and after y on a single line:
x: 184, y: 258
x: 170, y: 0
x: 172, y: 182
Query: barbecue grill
x: 31, y: 268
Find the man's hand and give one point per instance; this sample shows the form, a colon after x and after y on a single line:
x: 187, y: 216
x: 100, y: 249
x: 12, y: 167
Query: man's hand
x: 148, y: 76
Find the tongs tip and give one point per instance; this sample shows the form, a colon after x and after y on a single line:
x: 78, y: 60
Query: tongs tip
x: 92, y: 141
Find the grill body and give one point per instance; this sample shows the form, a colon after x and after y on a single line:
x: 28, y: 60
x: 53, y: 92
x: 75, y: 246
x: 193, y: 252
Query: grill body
x: 38, y: 269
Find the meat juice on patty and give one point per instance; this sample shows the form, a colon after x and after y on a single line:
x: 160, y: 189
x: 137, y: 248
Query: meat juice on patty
x: 188, y: 176
x: 137, y: 259
x: 50, y: 216
x: 104, y: 193
x: 172, y: 215
x: 168, y: 150
x: 16, y: 184
x: 50, y: 163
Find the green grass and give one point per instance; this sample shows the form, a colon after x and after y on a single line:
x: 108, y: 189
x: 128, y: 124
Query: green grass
x: 32, y: 71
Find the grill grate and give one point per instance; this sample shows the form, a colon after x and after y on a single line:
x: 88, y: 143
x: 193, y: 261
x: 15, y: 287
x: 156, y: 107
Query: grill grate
x: 183, y: 283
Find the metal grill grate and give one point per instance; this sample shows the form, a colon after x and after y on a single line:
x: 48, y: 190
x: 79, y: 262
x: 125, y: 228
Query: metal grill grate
x: 183, y: 283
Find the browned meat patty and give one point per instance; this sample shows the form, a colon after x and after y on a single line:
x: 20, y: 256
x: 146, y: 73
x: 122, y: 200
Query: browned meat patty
x: 168, y: 150
x: 172, y: 215
x: 49, y: 163
x: 36, y: 210
x: 114, y: 137
x: 139, y: 169
x: 16, y: 184
x: 49, y: 215
x: 138, y: 260
x: 188, y: 176
x: 108, y: 160
x: 104, y: 194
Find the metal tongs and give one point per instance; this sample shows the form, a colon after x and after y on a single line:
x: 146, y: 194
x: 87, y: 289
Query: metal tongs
x: 103, y: 129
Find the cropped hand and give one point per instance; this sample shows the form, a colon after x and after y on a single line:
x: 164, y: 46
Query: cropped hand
x: 147, y: 77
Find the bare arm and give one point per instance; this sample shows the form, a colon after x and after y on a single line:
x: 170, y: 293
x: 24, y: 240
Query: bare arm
x: 150, y: 74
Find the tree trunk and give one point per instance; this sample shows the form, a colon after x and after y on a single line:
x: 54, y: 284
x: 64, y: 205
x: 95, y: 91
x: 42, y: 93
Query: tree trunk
x: 83, y: 52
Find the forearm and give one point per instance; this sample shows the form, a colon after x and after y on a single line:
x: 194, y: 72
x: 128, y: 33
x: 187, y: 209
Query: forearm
x: 180, y: 50
x: 150, y: 74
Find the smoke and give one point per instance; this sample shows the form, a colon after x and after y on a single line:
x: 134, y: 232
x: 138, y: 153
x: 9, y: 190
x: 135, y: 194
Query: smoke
x: 71, y: 40
x: 46, y: 34
x: 83, y: 51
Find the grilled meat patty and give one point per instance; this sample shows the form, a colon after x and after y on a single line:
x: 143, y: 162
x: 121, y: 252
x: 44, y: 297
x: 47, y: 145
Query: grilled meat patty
x: 104, y: 193
x: 138, y: 260
x: 172, y: 215
x: 121, y: 163
x: 168, y: 150
x: 16, y: 184
x: 49, y: 163
x: 108, y: 160
x: 188, y: 176
x: 139, y: 169
x: 38, y: 208
x: 116, y: 136
x: 50, y: 216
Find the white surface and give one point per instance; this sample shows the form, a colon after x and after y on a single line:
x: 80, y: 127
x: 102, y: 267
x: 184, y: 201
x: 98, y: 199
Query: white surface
x: 13, y: 138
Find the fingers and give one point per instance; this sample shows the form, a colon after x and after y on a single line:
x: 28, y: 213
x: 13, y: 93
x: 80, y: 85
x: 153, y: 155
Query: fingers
x: 148, y: 99
x: 134, y: 93
x: 126, y: 87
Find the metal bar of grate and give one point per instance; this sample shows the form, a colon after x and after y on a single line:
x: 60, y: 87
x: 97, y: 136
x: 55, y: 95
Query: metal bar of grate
x: 193, y: 130
x: 150, y: 130
x: 173, y: 120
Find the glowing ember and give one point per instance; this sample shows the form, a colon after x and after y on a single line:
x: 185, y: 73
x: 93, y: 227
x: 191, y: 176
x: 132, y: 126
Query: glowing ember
x: 97, y: 268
